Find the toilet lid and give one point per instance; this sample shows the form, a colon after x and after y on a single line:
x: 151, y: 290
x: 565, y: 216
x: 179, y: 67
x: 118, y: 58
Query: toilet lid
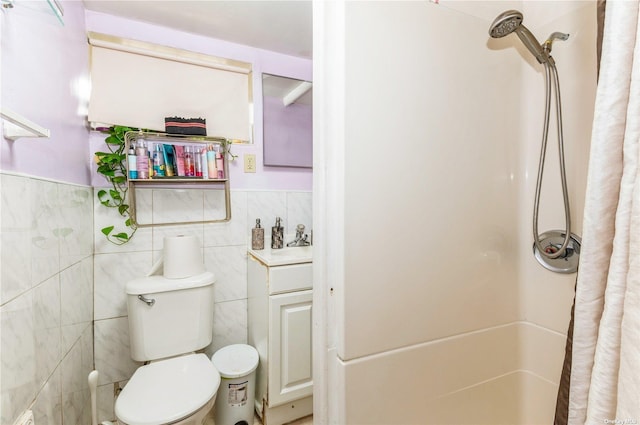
x: 167, y: 390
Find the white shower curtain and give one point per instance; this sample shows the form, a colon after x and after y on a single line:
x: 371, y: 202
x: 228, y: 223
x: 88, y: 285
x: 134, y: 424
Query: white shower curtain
x: 605, y: 375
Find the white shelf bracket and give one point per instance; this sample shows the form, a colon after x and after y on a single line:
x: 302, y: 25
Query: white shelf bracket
x: 15, y: 126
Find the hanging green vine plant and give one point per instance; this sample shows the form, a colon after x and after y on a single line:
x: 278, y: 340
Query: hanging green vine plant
x: 112, y: 166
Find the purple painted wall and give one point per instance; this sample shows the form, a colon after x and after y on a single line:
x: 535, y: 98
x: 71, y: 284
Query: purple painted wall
x: 272, y: 178
x: 45, y: 74
x: 288, y: 132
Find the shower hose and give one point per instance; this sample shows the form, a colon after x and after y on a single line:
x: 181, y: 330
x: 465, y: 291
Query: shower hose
x: 552, y: 251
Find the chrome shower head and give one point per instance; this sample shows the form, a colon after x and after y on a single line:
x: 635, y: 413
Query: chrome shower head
x: 506, y: 23
x: 511, y: 21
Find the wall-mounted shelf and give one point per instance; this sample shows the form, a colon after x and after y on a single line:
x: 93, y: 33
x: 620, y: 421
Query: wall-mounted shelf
x: 40, y: 7
x: 15, y: 126
x: 179, y: 182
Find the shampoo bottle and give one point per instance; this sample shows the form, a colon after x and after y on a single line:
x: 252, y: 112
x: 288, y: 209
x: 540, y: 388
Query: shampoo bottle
x: 257, y: 236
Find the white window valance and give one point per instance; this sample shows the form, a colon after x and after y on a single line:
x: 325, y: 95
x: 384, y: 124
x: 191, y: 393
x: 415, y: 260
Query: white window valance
x: 138, y: 84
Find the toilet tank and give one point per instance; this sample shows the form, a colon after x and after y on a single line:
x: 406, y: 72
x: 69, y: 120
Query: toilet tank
x: 168, y: 317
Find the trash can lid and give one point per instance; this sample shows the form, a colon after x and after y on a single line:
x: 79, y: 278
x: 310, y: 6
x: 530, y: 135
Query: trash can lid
x: 234, y: 361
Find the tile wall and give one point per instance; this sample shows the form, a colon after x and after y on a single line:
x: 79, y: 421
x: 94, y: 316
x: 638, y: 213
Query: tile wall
x: 46, y: 300
x: 224, y: 247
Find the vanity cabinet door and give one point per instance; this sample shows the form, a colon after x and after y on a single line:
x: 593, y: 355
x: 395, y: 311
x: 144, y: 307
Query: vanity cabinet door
x: 290, y: 366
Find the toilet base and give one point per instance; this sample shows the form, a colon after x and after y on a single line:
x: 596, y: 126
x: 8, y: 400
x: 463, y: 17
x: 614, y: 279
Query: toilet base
x: 198, y: 418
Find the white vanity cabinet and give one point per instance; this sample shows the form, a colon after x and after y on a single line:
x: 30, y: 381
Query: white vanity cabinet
x: 280, y: 287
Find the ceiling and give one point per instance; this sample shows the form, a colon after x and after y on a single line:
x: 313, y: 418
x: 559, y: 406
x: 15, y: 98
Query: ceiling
x: 280, y: 26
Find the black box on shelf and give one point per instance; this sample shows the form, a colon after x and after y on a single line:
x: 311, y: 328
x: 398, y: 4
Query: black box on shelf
x: 188, y: 126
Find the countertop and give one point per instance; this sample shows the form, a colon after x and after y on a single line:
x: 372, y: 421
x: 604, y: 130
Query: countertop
x: 285, y: 256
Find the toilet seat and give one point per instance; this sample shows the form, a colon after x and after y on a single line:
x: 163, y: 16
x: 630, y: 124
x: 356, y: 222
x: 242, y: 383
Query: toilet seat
x: 167, y: 391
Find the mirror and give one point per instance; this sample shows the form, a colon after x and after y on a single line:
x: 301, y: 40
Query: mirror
x: 287, y: 122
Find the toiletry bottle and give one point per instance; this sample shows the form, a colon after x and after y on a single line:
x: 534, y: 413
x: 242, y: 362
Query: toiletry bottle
x: 220, y: 165
x: 142, y: 160
x: 131, y: 158
x: 189, y: 165
x: 277, y: 235
x: 158, y: 161
x: 169, y: 169
x: 197, y: 158
x: 257, y: 236
x: 211, y: 162
x: 203, y: 161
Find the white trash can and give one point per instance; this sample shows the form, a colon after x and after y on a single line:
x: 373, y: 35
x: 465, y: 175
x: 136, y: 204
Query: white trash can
x: 237, y: 365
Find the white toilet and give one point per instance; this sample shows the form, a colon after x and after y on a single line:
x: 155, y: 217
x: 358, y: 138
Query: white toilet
x: 169, y: 319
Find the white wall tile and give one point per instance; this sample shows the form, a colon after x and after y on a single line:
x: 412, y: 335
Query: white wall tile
x: 229, y: 264
x: 75, y: 232
x: 47, y: 408
x: 46, y: 323
x: 71, y: 334
x: 299, y: 211
x: 18, y: 360
x: 229, y: 325
x: 266, y: 206
x: 45, y: 249
x: 178, y: 205
x: 112, y: 354
x: 46, y: 279
x: 111, y: 274
x: 15, y: 232
x: 76, y: 293
x: 103, y: 217
x: 16, y: 263
x: 233, y: 232
x: 106, y: 402
x: 16, y: 202
x: 75, y: 369
x: 144, y: 206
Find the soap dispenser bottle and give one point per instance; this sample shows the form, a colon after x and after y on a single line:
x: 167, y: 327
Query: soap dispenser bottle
x: 257, y: 236
x: 277, y: 235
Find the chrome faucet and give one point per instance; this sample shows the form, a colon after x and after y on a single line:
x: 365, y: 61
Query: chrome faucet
x: 301, y: 237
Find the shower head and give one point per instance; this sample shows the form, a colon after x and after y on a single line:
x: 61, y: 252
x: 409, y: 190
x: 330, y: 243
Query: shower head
x: 511, y: 21
x: 505, y: 23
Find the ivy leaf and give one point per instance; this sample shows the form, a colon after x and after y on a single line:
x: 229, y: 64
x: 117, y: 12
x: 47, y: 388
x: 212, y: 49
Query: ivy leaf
x: 113, y: 140
x: 107, y: 230
x: 121, y: 236
x: 123, y: 209
x: 106, y: 170
x: 119, y: 179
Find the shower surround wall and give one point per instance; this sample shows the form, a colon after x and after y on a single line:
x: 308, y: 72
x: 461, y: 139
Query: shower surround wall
x: 445, y: 317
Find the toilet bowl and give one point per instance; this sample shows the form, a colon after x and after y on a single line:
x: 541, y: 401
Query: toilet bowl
x: 178, y: 391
